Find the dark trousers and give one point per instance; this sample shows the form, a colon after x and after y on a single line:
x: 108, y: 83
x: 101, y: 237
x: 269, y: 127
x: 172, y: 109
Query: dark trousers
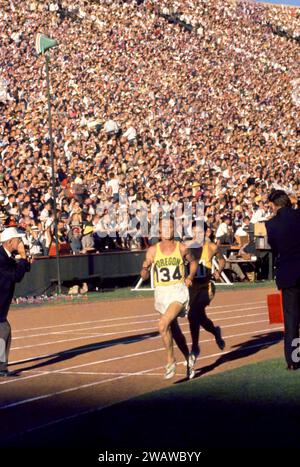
x: 291, y: 312
x: 199, y: 300
x: 5, y: 341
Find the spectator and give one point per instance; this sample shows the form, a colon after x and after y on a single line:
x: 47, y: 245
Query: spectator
x: 34, y: 242
x: 181, y: 114
x: 224, y: 232
x: 75, y: 240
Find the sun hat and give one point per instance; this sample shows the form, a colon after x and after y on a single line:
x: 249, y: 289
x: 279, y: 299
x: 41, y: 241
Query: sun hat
x: 11, y: 232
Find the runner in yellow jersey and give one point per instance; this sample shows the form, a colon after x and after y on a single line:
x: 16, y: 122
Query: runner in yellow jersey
x: 202, y: 292
x: 171, y: 296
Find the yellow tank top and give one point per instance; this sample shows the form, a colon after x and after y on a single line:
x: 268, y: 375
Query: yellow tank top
x: 205, y: 264
x: 205, y: 257
x: 168, y: 269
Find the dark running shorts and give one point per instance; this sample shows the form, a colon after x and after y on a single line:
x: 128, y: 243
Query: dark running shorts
x: 203, y: 293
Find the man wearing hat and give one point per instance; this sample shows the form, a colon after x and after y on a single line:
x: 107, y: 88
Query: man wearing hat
x: 11, y: 271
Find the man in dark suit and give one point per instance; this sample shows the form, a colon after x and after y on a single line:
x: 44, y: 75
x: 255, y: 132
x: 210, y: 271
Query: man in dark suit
x: 11, y: 271
x: 284, y: 238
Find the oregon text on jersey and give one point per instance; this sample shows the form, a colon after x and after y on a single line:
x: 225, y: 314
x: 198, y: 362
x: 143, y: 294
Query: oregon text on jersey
x: 168, y: 261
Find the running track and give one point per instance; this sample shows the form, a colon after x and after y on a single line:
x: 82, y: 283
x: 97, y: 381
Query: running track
x: 78, y: 359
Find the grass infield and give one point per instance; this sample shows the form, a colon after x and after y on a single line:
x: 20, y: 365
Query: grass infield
x: 125, y: 293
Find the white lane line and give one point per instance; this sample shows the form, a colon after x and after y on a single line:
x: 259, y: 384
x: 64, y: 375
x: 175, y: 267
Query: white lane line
x: 93, y: 336
x: 107, y: 320
x: 181, y: 325
x: 107, y: 373
x: 122, y: 357
x: 89, y: 328
x: 86, y: 412
x: 104, y: 344
x: 100, y: 408
x: 129, y: 317
x: 98, y: 383
x: 128, y: 324
x: 66, y: 391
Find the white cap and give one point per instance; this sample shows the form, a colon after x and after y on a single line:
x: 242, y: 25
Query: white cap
x: 11, y: 232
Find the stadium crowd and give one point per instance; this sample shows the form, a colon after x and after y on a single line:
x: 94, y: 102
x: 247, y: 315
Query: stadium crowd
x: 156, y: 101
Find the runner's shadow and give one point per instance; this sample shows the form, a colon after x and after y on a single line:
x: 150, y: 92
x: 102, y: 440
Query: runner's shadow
x: 242, y: 350
x: 70, y: 353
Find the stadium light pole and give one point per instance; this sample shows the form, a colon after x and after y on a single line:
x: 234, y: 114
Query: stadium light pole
x: 42, y: 44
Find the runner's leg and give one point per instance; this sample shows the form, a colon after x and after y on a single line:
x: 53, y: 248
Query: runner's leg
x: 164, y: 327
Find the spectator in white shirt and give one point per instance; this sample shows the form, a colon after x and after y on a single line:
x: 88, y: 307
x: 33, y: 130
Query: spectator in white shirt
x: 113, y: 186
x: 223, y: 234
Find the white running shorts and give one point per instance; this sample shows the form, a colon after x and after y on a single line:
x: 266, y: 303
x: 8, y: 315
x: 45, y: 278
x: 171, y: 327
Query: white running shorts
x: 165, y: 295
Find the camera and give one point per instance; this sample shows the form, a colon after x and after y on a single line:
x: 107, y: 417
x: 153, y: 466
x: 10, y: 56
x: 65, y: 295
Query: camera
x: 27, y: 251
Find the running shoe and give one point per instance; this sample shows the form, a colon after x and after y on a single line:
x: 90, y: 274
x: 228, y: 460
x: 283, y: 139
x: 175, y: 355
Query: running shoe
x: 191, y: 364
x: 170, y: 370
x: 219, y: 340
x: 193, y: 357
x: 190, y: 370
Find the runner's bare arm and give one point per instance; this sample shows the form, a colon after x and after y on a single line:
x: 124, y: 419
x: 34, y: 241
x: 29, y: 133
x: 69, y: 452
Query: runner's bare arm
x: 148, y: 261
x: 215, y: 251
x: 185, y: 253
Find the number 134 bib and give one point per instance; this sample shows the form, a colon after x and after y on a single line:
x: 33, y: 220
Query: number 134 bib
x: 168, y: 269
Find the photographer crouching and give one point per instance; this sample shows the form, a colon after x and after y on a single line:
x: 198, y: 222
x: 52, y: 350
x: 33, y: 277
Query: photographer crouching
x: 11, y: 272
